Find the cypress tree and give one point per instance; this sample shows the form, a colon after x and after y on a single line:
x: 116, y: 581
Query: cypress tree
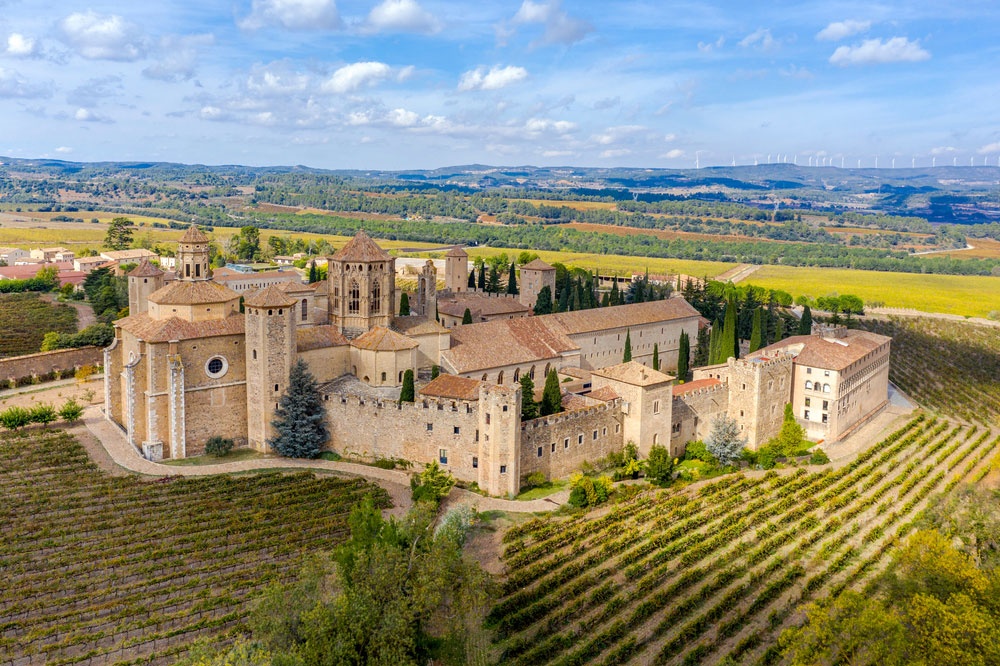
x: 482, y: 278
x: 575, y: 303
x: 472, y: 279
x: 407, y: 394
x: 512, y: 281
x: 715, y: 343
x: 806, y: 323
x: 779, y: 329
x: 683, y: 356
x: 616, y: 294
x: 757, y: 334
x: 435, y: 371
x: 605, y: 300
x: 701, y: 349
x: 563, y: 300
x: 313, y: 272
x: 551, y: 396
x: 730, y: 341
x: 656, y: 356
x: 300, y: 419
x: 404, y: 305
x: 627, y: 356
x: 493, y: 282
x: 543, y: 304
x: 467, y: 316
x: 529, y: 408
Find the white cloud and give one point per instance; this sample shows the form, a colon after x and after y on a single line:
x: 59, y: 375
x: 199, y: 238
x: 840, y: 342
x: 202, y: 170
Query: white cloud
x: 212, y: 113
x: 557, y: 153
x: 177, y: 57
x: 497, y: 77
x: 13, y: 84
x: 292, y: 15
x: 356, y: 75
x: 403, y: 118
x: 943, y: 150
x: 839, y: 30
x: 614, y: 134
x: 708, y: 47
x: 20, y: 46
x: 539, y: 125
x: 673, y: 154
x: 275, y: 79
x: 990, y: 148
x: 103, y: 37
x: 615, y: 152
x: 560, y: 27
x: 64, y: 149
x: 760, y: 38
x: 875, y: 51
x: 89, y: 116
x: 401, y: 16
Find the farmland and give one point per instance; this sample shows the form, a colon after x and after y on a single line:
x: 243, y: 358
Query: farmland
x: 26, y: 318
x: 121, y: 569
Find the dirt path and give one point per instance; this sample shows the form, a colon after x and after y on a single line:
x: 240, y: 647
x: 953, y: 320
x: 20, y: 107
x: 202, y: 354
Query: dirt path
x: 738, y: 274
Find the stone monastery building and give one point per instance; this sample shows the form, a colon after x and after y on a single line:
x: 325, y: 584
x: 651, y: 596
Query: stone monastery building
x: 187, y: 364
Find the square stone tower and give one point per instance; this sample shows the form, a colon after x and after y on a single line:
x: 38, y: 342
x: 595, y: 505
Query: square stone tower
x: 759, y: 387
x: 499, y: 433
x: 534, y: 276
x: 456, y: 270
x: 270, y: 353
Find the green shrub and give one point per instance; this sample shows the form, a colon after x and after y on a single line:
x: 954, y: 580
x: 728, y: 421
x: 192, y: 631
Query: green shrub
x: 43, y: 414
x: 660, y: 466
x: 589, y: 491
x: 385, y: 463
x: 819, y: 457
x: 697, y: 451
x: 432, y: 485
x: 535, y: 480
x: 13, y: 418
x: 218, y: 446
x: 71, y: 411
x: 767, y: 457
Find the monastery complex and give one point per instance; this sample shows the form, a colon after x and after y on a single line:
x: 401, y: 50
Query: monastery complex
x: 187, y: 364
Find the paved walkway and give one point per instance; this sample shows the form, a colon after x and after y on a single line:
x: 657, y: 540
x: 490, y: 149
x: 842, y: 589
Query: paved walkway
x: 396, y: 482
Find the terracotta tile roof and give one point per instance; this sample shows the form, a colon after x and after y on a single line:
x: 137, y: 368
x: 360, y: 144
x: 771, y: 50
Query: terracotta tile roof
x: 269, y: 297
x: 125, y: 255
x: 621, y: 316
x: 605, y: 393
x: 145, y: 269
x: 361, y: 248
x: 503, y: 342
x: 296, y: 286
x: 578, y: 373
x: 633, y: 373
x: 164, y: 330
x: 681, y: 389
x: 381, y: 338
x: 25, y: 271
x: 452, y: 386
x: 318, y: 337
x: 193, y: 235
x: 830, y: 353
x: 417, y: 325
x: 480, y: 305
x: 192, y: 293
x: 571, y: 401
x: 236, y: 276
x: 537, y: 265
x: 457, y: 252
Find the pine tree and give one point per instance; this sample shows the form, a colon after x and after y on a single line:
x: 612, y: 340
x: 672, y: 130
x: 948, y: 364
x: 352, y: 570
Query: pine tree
x: 482, y: 278
x: 627, y: 356
x: 656, y: 355
x: 512, y: 281
x: 300, y: 419
x: 467, y: 316
x: 119, y: 235
x: 407, y: 393
x: 806, y: 323
x: 472, y: 279
x: 683, y: 356
x: 529, y: 408
x: 551, y: 395
x: 404, y: 305
x: 756, y: 335
x: 543, y: 304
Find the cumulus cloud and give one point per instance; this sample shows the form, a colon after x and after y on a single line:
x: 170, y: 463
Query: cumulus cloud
x: 614, y: 134
x: 355, y: 76
x: 13, y: 84
x: 673, y: 154
x: 760, y: 39
x: 403, y: 118
x: 990, y: 148
x: 292, y: 15
x: 877, y: 52
x: 943, y: 150
x: 401, y: 16
x: 493, y: 79
x: 560, y: 27
x: 177, y: 57
x: 540, y: 125
x: 210, y: 112
x: 615, y: 152
x: 20, y: 46
x: 276, y: 79
x: 103, y: 37
x: 839, y: 30
x: 64, y: 149
x: 90, y: 116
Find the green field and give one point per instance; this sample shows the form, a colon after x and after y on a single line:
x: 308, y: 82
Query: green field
x: 26, y: 318
x: 974, y: 296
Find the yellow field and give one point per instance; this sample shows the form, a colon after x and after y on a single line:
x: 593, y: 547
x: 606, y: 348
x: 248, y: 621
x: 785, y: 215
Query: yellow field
x: 575, y: 205
x: 983, y: 248
x: 974, y: 296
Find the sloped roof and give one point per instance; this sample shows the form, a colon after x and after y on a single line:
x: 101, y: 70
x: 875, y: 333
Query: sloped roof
x: 381, y: 338
x: 452, y: 386
x: 457, y: 252
x: 197, y: 292
x: 417, y: 325
x: 269, y: 297
x: 361, y: 248
x: 229, y: 275
x: 120, y: 255
x: 296, y: 286
x: 537, y: 265
x: 193, y: 235
x: 605, y: 393
x: 481, y: 305
x: 622, y: 316
x: 697, y: 384
x: 318, y: 337
x: 145, y: 269
x: 501, y: 342
x: 174, y: 328
x: 829, y: 353
x: 634, y: 373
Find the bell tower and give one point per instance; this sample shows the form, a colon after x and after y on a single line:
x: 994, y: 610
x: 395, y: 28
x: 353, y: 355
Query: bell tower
x: 142, y: 281
x: 192, y: 256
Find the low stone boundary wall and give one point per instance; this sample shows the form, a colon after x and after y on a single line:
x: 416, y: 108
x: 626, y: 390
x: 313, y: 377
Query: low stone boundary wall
x: 46, y: 366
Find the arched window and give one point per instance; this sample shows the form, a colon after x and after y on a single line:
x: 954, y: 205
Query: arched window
x: 531, y: 372
x: 305, y: 309
x: 500, y: 377
x: 548, y: 367
x: 517, y: 375
x: 809, y: 385
x: 826, y: 388
x: 354, y: 298
x: 375, y: 307
x: 485, y: 376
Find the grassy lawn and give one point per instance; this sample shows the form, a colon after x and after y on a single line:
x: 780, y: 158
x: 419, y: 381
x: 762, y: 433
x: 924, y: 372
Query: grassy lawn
x: 233, y: 456
x: 544, y: 490
x: 974, y: 296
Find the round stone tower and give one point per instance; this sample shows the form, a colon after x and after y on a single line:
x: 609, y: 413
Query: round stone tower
x: 270, y: 350
x: 143, y: 280
x: 362, y: 281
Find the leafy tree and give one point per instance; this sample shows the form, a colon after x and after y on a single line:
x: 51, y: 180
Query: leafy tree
x: 805, y: 324
x: 512, y: 280
x: 432, y: 484
x: 627, y: 356
x: 407, y: 393
x: 14, y: 418
x: 724, y: 441
x: 71, y: 411
x: 218, y: 446
x: 529, y: 408
x: 404, y: 305
x: 97, y: 335
x: 656, y: 356
x: 119, y: 235
x: 659, y: 465
x: 551, y: 395
x: 300, y: 419
x: 43, y: 414
x: 791, y: 437
x: 543, y: 304
x: 683, y: 356
x: 247, y: 243
x: 589, y: 491
x: 467, y: 316
x: 757, y: 335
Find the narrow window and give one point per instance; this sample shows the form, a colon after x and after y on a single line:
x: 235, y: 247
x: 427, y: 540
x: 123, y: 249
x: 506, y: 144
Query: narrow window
x: 443, y: 456
x: 566, y: 443
x: 305, y: 309
x: 456, y: 430
x: 354, y: 298
x: 197, y: 270
x: 383, y: 376
x: 430, y: 427
x: 503, y: 469
x: 487, y: 418
x: 255, y: 354
x: 475, y: 462
x: 656, y: 407
x: 595, y: 435
x: 375, y: 307
x: 553, y: 447
x: 539, y: 452
x: 579, y: 438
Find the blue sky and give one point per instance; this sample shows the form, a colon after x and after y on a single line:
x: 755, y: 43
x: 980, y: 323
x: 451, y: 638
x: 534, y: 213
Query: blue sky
x: 422, y: 83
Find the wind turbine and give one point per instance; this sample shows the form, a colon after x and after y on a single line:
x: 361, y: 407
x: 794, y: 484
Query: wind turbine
x: 954, y: 161
x: 876, y: 161
x: 795, y: 160
x: 859, y: 162
x: 755, y: 160
x: 810, y: 160
x: 913, y: 162
x: 769, y: 158
x: 841, y: 161
x: 734, y: 160
x: 934, y: 161
x: 970, y: 161
x: 893, y: 162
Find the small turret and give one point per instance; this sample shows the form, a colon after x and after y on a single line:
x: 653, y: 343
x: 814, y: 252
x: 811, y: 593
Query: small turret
x: 143, y: 280
x: 192, y: 256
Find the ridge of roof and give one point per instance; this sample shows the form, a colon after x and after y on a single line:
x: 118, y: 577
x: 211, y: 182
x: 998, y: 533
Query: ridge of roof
x: 269, y: 297
x: 361, y: 248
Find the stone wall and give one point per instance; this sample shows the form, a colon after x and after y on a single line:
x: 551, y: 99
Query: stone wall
x: 692, y: 415
x: 45, y: 363
x: 758, y: 391
x: 558, y: 445
x: 599, y: 349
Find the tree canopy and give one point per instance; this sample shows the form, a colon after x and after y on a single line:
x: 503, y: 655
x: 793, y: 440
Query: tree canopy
x: 300, y: 419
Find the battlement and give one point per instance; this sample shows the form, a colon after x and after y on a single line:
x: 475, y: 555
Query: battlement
x: 571, y: 415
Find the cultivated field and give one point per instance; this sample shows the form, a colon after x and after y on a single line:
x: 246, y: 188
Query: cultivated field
x: 118, y: 570
x: 974, y: 296
x: 26, y: 318
x: 985, y: 248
